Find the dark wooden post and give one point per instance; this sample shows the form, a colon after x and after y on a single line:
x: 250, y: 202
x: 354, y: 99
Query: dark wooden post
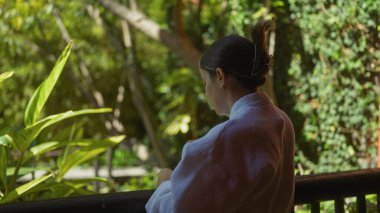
x: 339, y: 205
x: 315, y: 207
x: 361, y: 203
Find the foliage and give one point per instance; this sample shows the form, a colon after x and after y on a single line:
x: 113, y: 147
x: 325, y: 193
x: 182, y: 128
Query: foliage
x: 140, y: 183
x: 16, y: 150
x: 337, y: 92
x: 326, y: 64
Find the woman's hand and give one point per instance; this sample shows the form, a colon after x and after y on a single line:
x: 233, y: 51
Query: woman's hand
x: 164, y: 175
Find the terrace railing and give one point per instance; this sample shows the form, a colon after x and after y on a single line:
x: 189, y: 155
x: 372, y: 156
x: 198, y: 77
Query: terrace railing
x: 311, y: 189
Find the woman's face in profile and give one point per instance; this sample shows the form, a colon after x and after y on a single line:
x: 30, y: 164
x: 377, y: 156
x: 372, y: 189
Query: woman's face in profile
x: 212, y: 91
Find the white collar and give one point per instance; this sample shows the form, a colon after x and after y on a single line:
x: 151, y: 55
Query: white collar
x: 253, y: 99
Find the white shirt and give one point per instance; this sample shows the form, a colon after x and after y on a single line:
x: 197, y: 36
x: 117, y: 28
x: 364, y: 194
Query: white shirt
x: 244, y: 164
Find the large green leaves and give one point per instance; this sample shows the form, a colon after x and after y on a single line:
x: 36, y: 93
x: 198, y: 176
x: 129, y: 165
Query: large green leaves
x: 23, y: 138
x: 52, y: 145
x: 21, y: 190
x: 42, y: 93
x: 66, y: 188
x: 81, y: 155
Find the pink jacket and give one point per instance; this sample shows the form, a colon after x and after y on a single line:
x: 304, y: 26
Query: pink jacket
x: 244, y: 164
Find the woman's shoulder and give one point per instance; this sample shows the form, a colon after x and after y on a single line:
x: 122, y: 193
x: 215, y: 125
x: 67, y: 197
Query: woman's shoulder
x: 209, y: 138
x: 234, y: 127
x: 250, y: 132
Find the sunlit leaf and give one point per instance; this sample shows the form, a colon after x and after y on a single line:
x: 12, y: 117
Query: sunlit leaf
x: 52, y: 145
x: 24, y: 170
x: 67, y: 188
x: 21, y: 190
x: 24, y: 137
x: 46, y: 147
x: 179, y: 124
x: 6, y: 140
x: 81, y: 155
x: 81, y: 186
x: 42, y: 93
x: 3, y: 166
x: 54, y: 189
x: 5, y: 75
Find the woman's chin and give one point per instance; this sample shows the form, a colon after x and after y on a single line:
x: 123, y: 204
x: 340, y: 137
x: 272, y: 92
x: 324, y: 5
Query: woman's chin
x: 220, y: 113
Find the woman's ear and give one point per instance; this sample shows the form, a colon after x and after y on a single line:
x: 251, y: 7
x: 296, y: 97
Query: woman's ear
x: 220, y: 77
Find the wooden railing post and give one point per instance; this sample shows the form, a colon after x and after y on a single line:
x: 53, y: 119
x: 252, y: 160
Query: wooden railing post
x: 339, y: 205
x: 315, y: 207
x: 337, y: 186
x: 361, y: 204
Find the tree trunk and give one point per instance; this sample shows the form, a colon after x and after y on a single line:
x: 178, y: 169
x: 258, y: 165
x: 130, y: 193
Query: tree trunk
x: 378, y: 123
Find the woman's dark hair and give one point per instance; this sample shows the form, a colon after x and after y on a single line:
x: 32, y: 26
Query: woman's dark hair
x: 248, y: 61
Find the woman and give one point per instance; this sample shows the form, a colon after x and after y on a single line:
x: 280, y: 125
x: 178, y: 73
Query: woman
x: 244, y: 164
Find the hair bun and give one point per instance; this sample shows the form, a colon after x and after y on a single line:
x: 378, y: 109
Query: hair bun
x: 262, y: 60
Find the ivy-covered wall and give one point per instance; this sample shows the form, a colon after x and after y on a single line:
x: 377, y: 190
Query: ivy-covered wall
x: 333, y: 77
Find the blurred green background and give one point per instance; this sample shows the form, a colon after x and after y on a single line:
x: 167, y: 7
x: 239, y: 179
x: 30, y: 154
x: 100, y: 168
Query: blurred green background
x: 140, y: 59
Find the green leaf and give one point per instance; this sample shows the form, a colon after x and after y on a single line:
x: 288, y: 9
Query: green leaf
x: 61, y: 190
x: 46, y: 147
x: 5, y: 75
x: 66, y: 189
x: 81, y: 186
x: 55, y: 189
x: 69, y: 187
x: 24, y: 137
x: 21, y: 190
x: 52, y: 145
x: 25, y: 170
x: 88, y: 180
x: 6, y: 140
x: 42, y: 93
x: 3, y: 166
x: 52, y: 187
x: 81, y: 155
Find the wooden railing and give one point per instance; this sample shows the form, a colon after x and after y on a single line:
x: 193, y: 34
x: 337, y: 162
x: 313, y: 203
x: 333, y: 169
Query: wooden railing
x: 311, y: 189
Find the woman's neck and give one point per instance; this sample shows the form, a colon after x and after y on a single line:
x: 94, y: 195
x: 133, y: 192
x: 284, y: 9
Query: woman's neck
x: 233, y: 95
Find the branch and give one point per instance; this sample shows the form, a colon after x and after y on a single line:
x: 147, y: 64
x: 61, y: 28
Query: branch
x: 179, y: 26
x: 133, y: 79
x: 96, y: 95
x: 138, y: 98
x: 151, y: 29
x: 95, y: 14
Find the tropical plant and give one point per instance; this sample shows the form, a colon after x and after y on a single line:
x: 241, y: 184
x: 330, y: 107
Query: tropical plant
x: 19, y: 147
